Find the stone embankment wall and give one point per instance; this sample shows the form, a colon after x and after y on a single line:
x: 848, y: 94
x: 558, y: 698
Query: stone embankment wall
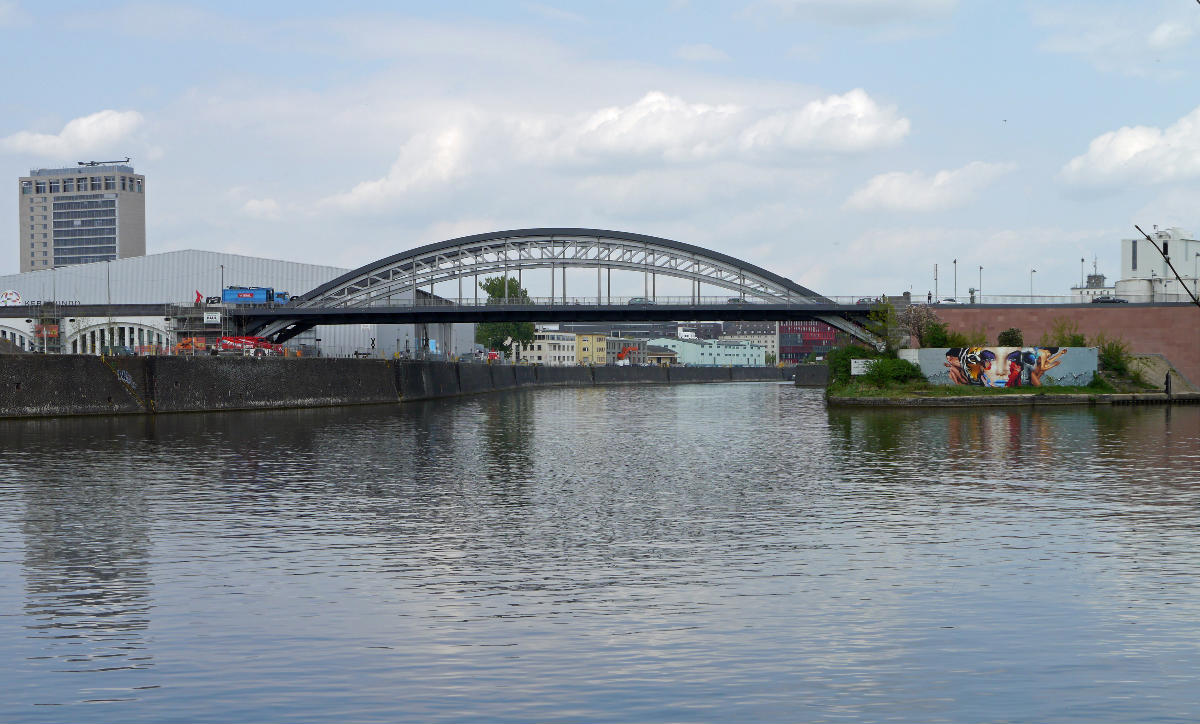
x: 57, y: 385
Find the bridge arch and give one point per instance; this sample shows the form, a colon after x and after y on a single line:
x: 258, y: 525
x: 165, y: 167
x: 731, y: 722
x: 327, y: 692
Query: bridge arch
x: 509, y: 252
x: 388, y: 288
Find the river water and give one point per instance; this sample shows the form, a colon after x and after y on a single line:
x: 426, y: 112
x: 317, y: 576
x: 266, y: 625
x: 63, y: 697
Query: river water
x: 650, y: 554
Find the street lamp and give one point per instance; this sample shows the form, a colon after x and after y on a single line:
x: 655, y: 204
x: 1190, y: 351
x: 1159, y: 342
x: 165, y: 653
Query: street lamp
x: 979, y: 289
x: 956, y: 279
x: 1031, y: 273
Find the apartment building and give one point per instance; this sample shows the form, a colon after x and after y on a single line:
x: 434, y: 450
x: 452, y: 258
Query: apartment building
x: 80, y: 214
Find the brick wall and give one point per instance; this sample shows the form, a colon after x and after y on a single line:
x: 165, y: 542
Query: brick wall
x: 1170, y: 330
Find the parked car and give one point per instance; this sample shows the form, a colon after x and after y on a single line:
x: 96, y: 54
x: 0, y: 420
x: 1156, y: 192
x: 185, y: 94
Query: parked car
x: 641, y: 301
x: 737, y: 300
x: 1105, y: 299
x: 865, y: 300
x: 949, y: 300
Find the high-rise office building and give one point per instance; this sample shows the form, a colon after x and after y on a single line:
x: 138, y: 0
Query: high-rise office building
x: 75, y: 215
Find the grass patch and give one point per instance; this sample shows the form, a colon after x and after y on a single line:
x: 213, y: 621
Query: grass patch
x: 925, y: 389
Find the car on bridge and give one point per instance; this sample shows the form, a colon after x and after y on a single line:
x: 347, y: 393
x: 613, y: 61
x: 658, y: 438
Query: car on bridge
x: 641, y: 301
x: 1105, y: 299
x: 737, y: 300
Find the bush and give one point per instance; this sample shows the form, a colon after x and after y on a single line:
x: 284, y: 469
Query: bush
x: 936, y: 335
x: 839, y: 360
x: 1064, y: 333
x: 889, y: 371
x: 1011, y: 337
x: 1113, y: 355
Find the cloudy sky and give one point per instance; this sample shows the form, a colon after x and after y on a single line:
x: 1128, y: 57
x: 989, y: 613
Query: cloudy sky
x: 848, y: 144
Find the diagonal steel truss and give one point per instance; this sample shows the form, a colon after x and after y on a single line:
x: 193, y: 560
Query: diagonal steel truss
x: 511, y: 253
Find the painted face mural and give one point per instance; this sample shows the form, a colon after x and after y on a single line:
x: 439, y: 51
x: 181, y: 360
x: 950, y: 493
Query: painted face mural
x: 1008, y: 366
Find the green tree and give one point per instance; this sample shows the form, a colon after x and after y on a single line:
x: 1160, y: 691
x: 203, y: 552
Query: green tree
x: 770, y: 359
x: 503, y: 335
x: 1064, y: 332
x: 1011, y: 337
x: 884, y: 324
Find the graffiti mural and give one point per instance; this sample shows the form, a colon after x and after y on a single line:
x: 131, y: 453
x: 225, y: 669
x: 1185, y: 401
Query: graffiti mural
x: 1006, y: 366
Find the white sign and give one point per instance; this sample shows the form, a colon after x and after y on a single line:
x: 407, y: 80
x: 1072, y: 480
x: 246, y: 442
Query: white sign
x: 861, y: 366
x: 10, y: 297
x: 212, y: 317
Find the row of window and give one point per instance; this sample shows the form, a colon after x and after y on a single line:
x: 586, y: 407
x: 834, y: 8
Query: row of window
x: 75, y: 243
x: 89, y: 214
x: 84, y: 224
x: 83, y: 259
x: 83, y: 183
x: 68, y: 205
x: 69, y: 233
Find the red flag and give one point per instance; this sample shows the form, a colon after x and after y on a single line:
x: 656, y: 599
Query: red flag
x: 199, y: 297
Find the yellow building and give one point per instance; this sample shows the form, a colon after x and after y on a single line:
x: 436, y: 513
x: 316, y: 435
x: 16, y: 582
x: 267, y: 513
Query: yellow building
x: 590, y: 349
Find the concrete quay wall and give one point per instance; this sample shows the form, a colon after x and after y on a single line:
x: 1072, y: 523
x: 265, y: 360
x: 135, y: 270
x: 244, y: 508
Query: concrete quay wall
x: 60, y: 385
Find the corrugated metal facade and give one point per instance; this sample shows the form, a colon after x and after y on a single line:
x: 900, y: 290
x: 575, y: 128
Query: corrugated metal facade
x: 175, y: 277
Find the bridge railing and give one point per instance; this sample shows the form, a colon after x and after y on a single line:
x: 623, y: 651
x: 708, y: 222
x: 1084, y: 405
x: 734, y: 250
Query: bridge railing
x: 558, y: 301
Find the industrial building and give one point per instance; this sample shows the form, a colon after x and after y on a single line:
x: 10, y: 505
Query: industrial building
x: 713, y: 352
x: 181, y: 282
x: 95, y: 211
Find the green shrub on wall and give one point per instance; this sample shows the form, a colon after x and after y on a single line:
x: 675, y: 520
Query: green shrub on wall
x: 888, y: 371
x: 1011, y: 337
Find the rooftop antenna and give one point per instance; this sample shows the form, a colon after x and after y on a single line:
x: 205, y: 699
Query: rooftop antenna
x: 106, y: 163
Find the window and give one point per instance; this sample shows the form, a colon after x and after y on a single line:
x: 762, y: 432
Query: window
x: 40, y: 187
x: 96, y: 183
x: 55, y: 187
x: 26, y: 187
x: 1133, y: 244
x: 139, y: 186
x: 81, y: 183
x: 110, y: 183
x: 122, y: 183
x: 68, y: 184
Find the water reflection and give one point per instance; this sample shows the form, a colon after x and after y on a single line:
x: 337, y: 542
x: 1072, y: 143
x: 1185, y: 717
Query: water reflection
x: 643, y: 554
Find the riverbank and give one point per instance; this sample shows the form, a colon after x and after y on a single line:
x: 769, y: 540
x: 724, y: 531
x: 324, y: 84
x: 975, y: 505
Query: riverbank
x: 68, y: 385
x: 1014, y: 399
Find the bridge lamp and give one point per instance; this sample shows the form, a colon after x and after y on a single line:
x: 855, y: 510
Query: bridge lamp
x: 1031, y: 273
x: 979, y: 289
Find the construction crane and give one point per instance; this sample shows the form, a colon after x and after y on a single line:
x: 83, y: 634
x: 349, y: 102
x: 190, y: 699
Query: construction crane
x: 621, y: 360
x: 102, y: 163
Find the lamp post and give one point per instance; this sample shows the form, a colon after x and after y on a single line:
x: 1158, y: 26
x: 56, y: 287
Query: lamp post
x: 979, y: 288
x: 1081, y: 279
x: 956, y: 280
x: 1031, y: 273
x: 1196, y: 273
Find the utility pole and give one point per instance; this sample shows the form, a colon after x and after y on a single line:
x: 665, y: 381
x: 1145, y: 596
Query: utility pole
x: 935, y: 283
x: 979, y: 289
x: 956, y: 280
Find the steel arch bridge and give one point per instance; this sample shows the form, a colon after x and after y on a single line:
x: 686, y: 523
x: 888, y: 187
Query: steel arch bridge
x: 399, y: 288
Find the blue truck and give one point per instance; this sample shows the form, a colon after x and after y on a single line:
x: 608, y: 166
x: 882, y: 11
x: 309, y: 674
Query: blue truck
x: 253, y: 295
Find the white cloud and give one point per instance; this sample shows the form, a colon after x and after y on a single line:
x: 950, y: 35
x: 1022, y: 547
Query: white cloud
x: 900, y: 191
x: 1131, y: 41
x: 1169, y: 35
x: 656, y: 125
x: 850, y: 122
x: 701, y: 52
x: 655, y: 132
x: 98, y: 132
x: 425, y: 163
x: 262, y: 209
x: 1140, y: 153
x: 864, y: 12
